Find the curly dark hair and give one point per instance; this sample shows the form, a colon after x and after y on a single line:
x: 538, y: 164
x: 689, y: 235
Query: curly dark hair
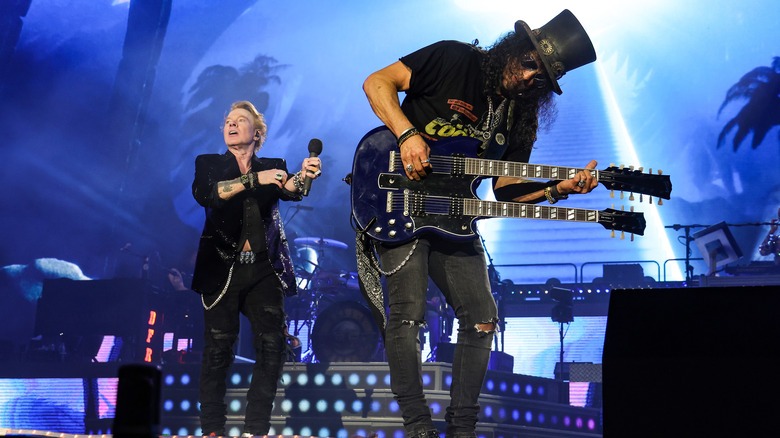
x: 533, y: 109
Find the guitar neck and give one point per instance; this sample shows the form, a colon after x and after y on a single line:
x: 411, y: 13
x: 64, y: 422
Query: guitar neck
x: 498, y: 209
x: 482, y: 167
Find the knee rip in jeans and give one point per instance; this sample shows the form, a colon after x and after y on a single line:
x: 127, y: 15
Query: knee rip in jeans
x: 413, y: 324
x: 486, y: 328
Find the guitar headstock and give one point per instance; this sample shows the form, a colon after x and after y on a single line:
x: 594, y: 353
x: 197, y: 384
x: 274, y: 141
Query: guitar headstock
x: 628, y: 179
x: 624, y: 221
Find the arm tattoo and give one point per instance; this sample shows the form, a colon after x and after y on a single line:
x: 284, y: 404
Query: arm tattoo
x: 225, y: 186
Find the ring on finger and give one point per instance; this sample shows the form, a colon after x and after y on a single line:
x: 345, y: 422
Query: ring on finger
x: 278, y: 176
x: 318, y: 172
x: 581, y: 184
x: 410, y: 167
x: 427, y: 160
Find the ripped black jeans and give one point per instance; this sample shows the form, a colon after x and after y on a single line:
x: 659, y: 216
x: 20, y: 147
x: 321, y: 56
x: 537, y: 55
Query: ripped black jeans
x: 256, y: 292
x: 460, y: 271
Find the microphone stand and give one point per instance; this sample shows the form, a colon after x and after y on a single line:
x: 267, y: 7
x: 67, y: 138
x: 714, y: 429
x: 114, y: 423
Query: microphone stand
x: 688, y: 239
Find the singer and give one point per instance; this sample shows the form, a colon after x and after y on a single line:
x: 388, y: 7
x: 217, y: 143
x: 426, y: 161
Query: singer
x: 243, y: 265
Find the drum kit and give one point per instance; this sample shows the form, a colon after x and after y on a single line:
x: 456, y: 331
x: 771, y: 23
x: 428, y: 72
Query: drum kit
x: 329, y: 304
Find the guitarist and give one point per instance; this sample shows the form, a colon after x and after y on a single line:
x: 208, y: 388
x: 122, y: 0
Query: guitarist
x: 499, y: 96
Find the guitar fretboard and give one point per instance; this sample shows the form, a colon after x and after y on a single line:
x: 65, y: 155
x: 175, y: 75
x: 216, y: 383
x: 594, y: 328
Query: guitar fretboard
x: 477, y: 207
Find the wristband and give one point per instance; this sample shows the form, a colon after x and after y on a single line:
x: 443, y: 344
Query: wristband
x: 556, y: 194
x: 411, y: 132
x: 298, y: 181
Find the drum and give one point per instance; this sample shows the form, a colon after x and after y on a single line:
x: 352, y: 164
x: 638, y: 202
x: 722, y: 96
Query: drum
x: 345, y: 331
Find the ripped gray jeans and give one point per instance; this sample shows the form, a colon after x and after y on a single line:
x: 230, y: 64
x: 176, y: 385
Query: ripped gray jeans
x: 460, y: 271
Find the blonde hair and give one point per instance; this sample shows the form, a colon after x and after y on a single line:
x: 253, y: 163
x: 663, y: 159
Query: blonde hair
x: 258, y: 121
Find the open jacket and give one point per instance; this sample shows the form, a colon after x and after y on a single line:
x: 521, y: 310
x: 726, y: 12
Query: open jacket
x: 219, y: 243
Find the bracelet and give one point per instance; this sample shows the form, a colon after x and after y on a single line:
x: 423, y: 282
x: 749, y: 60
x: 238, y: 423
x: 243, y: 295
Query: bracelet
x: 411, y: 132
x: 548, y: 195
x: 556, y: 194
x: 298, y: 181
x: 249, y: 180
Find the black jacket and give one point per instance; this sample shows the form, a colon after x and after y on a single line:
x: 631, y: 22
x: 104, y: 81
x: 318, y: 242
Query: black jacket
x: 218, y: 248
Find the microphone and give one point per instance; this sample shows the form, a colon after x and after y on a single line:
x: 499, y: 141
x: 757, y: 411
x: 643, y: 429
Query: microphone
x: 315, y: 148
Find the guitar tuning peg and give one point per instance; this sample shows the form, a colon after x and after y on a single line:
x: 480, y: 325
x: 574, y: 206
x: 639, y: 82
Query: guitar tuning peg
x: 660, y: 172
x: 650, y: 170
x: 622, y: 235
x: 621, y: 194
x: 651, y: 199
x: 622, y: 166
x: 631, y: 168
x: 631, y: 209
x: 611, y: 164
x: 640, y: 197
x: 631, y: 197
x: 641, y: 169
x: 660, y: 201
x: 611, y: 193
x: 612, y: 234
x: 632, y: 237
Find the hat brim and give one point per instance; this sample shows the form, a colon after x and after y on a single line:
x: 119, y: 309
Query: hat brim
x: 522, y: 28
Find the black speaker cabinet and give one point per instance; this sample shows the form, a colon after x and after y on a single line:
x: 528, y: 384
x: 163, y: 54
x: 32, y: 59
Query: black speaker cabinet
x: 694, y: 362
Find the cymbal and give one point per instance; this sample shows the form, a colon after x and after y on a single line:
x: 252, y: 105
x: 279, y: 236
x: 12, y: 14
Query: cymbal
x: 320, y: 242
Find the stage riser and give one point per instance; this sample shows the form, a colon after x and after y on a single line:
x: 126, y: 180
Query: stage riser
x: 360, y: 400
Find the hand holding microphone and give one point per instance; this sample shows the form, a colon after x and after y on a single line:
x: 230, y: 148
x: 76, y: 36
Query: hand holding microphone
x: 311, y: 166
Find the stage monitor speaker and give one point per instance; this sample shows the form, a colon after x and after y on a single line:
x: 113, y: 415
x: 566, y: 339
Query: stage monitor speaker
x: 693, y: 362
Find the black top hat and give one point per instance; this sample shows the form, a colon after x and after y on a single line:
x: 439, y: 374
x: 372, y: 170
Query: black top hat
x: 562, y: 44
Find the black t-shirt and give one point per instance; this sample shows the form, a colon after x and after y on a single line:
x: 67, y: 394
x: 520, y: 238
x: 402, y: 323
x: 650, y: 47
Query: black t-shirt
x: 445, y: 97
